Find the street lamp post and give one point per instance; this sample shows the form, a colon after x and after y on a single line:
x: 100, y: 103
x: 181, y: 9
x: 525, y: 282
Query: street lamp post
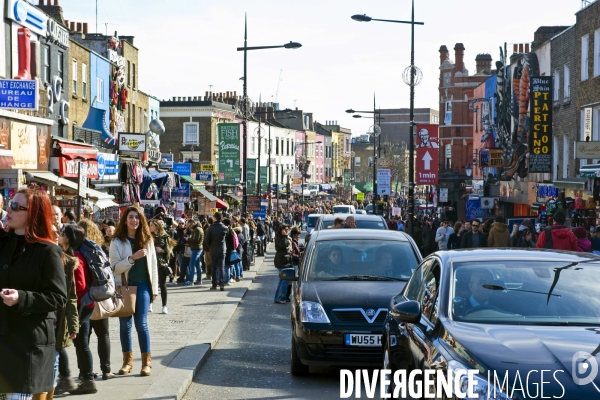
x: 290, y: 45
x: 415, y: 78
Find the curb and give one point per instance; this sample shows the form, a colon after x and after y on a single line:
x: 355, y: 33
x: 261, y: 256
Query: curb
x: 174, y: 381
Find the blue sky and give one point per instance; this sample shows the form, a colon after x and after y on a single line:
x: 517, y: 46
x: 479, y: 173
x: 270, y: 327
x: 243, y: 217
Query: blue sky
x: 187, y: 45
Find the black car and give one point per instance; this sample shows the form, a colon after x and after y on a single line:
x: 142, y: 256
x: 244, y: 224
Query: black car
x: 509, y: 314
x: 344, y: 285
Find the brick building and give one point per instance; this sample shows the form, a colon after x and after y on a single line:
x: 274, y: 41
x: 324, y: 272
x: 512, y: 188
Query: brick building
x: 456, y: 91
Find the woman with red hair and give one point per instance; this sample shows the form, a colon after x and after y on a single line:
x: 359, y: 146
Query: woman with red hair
x: 32, y: 282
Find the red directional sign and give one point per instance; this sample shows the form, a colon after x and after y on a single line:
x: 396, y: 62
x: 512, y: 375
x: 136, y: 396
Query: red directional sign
x: 427, y: 144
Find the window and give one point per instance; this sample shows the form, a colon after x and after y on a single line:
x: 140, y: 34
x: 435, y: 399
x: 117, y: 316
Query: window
x: 253, y: 145
x: 59, y: 61
x: 128, y: 73
x: 276, y: 146
x: 413, y: 287
x: 99, y: 90
x: 597, y: 52
x: 448, y: 113
x: 46, y: 61
x: 357, y: 161
x: 428, y: 296
x: 266, y: 146
x: 565, y: 166
x: 556, y: 84
x: 132, y: 118
x: 190, y: 133
x: 585, y: 44
x: 133, y: 76
x: 74, y: 72
x: 567, y: 83
x: 84, y: 81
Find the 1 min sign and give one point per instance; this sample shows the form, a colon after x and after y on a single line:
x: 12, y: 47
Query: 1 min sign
x: 427, y: 154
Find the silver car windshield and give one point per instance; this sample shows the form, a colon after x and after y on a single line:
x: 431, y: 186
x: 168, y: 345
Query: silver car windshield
x: 356, y: 259
x: 527, y: 292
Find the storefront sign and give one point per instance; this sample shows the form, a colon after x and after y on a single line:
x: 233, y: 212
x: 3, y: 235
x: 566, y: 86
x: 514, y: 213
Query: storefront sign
x: 229, y: 153
x: 183, y: 191
x: 153, y: 141
x: 108, y: 165
x: 384, y: 178
x: 204, y: 176
x: 183, y: 169
x: 584, y: 150
x: 208, y: 167
x: 253, y: 203
x: 69, y: 168
x: 57, y: 34
x: 133, y: 142
x: 540, y: 139
x: 18, y: 94
x: 427, y: 140
x: 587, y: 123
x: 384, y: 163
x: 263, y: 174
x: 23, y: 143
x: 28, y: 16
x: 166, y: 161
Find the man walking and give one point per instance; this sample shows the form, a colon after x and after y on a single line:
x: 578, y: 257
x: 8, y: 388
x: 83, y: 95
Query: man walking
x: 195, y: 242
x: 474, y: 238
x: 558, y: 237
x: 215, y: 241
x: 499, y: 235
x: 428, y: 235
x: 443, y: 234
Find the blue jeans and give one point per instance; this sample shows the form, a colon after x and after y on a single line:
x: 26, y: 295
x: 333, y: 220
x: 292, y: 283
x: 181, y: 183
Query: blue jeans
x: 140, y: 318
x: 237, y: 270
x: 195, y: 266
x: 218, y: 268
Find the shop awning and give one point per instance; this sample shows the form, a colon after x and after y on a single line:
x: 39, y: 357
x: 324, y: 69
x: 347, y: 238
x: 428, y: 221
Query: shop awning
x: 6, y: 159
x: 53, y: 179
x: 233, y: 196
x: 105, y: 203
x: 590, y: 171
x: 80, y: 151
x: 573, y: 183
x: 98, y: 195
x: 209, y: 196
x: 221, y: 204
x: 194, y: 183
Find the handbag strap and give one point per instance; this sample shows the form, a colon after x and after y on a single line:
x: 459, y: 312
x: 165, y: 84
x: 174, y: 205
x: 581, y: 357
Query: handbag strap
x: 124, y: 280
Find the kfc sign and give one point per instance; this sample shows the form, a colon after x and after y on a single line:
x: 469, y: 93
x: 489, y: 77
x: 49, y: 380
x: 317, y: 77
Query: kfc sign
x: 70, y: 168
x: 427, y: 154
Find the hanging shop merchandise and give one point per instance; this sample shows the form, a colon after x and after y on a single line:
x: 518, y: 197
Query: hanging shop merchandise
x: 131, y: 175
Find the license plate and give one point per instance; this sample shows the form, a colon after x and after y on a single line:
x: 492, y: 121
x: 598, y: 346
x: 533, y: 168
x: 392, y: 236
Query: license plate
x: 354, y: 339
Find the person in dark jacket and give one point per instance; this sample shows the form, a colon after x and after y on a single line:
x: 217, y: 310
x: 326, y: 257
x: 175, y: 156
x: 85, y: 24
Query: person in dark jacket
x: 456, y: 237
x: 261, y: 232
x: 164, y: 254
x: 283, y: 259
x: 524, y: 238
x: 562, y: 237
x: 237, y: 270
x: 33, y: 288
x: 206, y: 249
x: 475, y: 238
x: 195, y: 242
x: 215, y: 241
x: 499, y: 235
x: 428, y: 234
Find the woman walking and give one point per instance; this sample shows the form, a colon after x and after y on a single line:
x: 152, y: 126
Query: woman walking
x: 164, y: 254
x: 283, y: 259
x: 99, y: 326
x: 33, y: 285
x: 133, y: 259
x: 71, y: 239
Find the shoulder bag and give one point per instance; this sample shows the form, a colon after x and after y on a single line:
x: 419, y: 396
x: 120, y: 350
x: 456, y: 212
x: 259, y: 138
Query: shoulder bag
x: 107, y: 308
x: 128, y: 296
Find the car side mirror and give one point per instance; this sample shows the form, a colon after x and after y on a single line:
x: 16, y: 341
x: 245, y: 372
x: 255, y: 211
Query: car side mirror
x: 288, y: 274
x: 407, y: 311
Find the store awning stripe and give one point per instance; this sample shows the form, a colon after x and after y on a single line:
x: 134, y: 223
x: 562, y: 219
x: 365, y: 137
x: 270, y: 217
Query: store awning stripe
x: 58, y: 181
x: 77, y: 151
x: 221, y: 204
x: 190, y: 180
x: 209, y: 196
x: 590, y: 171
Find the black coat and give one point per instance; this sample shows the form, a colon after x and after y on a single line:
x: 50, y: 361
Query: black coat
x: 467, y: 240
x: 283, y: 251
x: 27, y: 337
x: 429, y: 237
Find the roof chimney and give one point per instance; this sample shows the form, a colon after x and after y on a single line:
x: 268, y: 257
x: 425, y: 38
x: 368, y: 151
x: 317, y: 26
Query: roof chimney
x: 459, y: 52
x: 67, y: 23
x: 85, y: 28
x: 79, y: 27
x: 72, y: 27
x: 174, y: 98
x: 443, y: 54
x: 483, y: 64
x: 40, y: 2
x: 56, y: 2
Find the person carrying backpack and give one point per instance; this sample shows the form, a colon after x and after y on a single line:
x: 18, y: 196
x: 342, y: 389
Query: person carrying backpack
x: 558, y: 237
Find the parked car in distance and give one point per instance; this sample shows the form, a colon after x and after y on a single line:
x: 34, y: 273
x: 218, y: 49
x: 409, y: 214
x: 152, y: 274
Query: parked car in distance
x: 505, y: 311
x: 361, y: 211
x: 369, y: 208
x: 311, y: 222
x: 344, y: 209
x: 344, y: 284
x: 363, y: 221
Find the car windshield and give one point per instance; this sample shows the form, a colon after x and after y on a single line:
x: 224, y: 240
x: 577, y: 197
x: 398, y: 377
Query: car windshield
x: 361, y: 259
x: 312, y: 221
x: 360, y: 224
x: 341, y: 210
x: 527, y: 292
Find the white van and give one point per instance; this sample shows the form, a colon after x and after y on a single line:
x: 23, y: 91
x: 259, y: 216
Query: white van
x: 344, y: 209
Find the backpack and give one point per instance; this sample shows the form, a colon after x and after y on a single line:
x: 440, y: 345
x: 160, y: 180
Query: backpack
x: 236, y: 240
x: 103, y: 280
x: 548, y: 244
x: 260, y: 229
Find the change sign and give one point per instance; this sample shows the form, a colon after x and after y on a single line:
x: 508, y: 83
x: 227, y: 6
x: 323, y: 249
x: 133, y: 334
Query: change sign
x: 229, y: 153
x: 540, y: 138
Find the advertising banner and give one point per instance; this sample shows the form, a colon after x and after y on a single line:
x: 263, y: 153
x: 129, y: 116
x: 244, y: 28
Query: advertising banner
x: 229, y: 154
x: 263, y: 174
x: 183, y: 169
x: 23, y: 143
x: 585, y: 150
x: 253, y: 203
x: 183, y: 191
x: 427, y: 140
x: 251, y: 176
x: 204, y: 176
x: 134, y: 142
x: 540, y: 139
x: 166, y: 161
x: 18, y: 94
x: 384, y: 179
x: 70, y: 168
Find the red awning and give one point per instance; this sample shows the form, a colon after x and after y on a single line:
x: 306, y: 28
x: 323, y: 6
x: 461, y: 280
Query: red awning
x: 221, y: 204
x: 80, y: 151
x: 6, y: 159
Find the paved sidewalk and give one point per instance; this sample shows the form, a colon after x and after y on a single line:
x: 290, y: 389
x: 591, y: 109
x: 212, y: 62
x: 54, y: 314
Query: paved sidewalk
x: 181, y: 341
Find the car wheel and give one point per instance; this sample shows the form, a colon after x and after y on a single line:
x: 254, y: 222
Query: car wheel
x: 296, y: 366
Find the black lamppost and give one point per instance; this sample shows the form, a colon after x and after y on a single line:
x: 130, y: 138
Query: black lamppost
x: 415, y: 76
x: 290, y: 45
x: 376, y: 132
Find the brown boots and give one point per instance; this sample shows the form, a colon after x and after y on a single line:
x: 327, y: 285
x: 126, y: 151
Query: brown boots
x: 127, y: 363
x: 146, y: 366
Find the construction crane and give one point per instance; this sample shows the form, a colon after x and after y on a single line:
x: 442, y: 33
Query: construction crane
x: 278, y: 82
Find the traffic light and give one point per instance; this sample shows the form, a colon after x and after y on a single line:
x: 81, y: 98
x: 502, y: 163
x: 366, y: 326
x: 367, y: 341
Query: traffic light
x: 431, y: 197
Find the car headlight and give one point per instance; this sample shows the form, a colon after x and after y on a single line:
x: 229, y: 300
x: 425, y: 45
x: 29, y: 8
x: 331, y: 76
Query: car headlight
x: 313, y: 312
x: 481, y: 388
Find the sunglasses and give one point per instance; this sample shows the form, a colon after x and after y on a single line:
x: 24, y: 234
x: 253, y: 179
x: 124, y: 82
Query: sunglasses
x: 17, y: 207
x: 475, y: 226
